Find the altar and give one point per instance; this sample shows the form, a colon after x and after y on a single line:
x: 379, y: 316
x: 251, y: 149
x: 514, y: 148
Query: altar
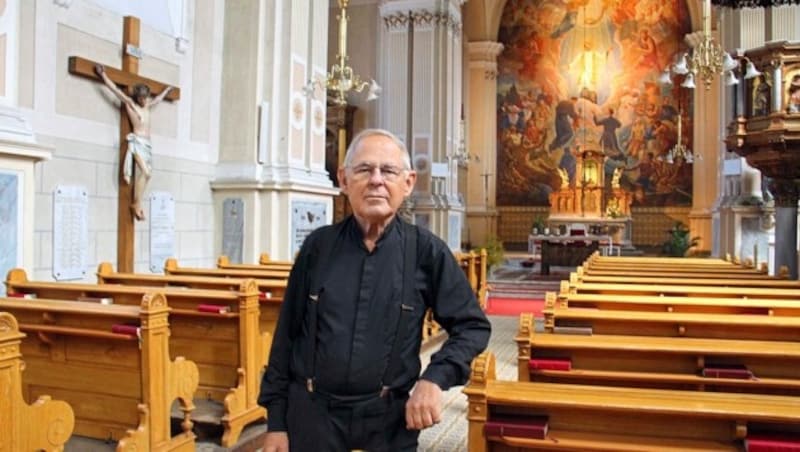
x: 587, y: 204
x: 568, y: 251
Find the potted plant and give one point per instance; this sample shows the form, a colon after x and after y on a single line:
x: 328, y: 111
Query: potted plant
x: 538, y: 225
x: 679, y: 241
x: 494, y: 252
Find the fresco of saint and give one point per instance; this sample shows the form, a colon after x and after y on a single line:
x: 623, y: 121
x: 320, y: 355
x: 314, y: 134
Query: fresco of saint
x: 580, y: 73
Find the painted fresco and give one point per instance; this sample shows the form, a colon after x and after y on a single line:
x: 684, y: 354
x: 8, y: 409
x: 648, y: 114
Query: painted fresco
x: 582, y: 74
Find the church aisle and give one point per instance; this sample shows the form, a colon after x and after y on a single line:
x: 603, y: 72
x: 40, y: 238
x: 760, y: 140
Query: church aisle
x: 451, y: 434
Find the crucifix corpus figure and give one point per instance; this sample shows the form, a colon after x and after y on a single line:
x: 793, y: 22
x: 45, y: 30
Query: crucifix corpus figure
x: 139, y: 153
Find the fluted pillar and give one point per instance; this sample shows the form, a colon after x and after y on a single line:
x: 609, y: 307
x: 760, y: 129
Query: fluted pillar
x: 482, y: 142
x: 420, y: 65
x: 271, y: 172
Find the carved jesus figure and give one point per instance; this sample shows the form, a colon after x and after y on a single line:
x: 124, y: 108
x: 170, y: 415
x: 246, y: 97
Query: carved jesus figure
x: 139, y: 148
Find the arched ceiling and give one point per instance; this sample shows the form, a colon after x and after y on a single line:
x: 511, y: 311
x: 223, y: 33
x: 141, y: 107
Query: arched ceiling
x: 482, y: 19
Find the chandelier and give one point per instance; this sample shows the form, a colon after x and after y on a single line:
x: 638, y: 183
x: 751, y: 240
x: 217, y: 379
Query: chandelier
x: 679, y: 150
x: 341, y: 79
x: 707, y: 59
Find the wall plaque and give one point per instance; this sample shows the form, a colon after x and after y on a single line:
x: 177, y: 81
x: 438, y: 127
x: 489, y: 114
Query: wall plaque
x: 10, y: 221
x: 162, y: 229
x: 306, y: 216
x: 233, y: 229
x: 70, y: 232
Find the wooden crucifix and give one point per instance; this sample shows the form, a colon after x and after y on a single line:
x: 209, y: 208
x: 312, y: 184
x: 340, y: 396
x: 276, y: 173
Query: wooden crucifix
x: 125, y: 79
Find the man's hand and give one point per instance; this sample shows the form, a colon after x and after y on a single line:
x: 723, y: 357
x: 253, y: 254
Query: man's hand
x: 99, y: 69
x: 424, y: 407
x: 276, y: 442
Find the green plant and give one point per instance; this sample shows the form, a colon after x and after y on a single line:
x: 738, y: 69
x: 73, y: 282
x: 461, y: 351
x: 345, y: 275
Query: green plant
x: 679, y: 241
x: 494, y: 252
x: 539, y: 223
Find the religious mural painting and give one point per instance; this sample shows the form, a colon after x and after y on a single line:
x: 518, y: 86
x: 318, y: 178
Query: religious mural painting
x: 583, y: 74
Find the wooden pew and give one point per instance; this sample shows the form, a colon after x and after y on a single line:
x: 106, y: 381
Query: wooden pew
x: 271, y: 291
x: 224, y: 262
x: 660, y: 362
x: 765, y: 281
x: 653, y: 303
x: 481, y: 270
x: 120, y: 385
x: 683, y: 324
x: 680, y: 291
x: 669, y: 272
x: 597, y: 258
x: 467, y: 263
x: 265, y: 259
x: 230, y: 349
x: 171, y: 268
x: 600, y: 418
x: 474, y: 266
x: 43, y: 425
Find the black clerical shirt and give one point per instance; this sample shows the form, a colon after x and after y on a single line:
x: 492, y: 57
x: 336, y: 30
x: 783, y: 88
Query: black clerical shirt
x: 358, y: 307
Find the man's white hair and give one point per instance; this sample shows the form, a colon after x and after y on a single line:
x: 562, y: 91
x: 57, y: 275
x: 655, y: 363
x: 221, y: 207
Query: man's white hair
x: 366, y: 133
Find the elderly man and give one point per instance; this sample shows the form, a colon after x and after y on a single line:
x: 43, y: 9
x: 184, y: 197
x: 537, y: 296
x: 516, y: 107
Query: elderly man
x: 344, y: 370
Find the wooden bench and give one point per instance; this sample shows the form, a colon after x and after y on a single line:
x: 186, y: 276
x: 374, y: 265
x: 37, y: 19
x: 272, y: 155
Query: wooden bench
x: 230, y: 348
x: 171, y: 268
x: 662, y: 362
x: 654, y: 303
x: 662, y: 261
x: 600, y: 418
x: 679, y: 291
x: 575, y: 278
x: 120, y: 385
x: 467, y: 263
x: 224, y: 262
x: 683, y: 324
x: 481, y: 269
x: 271, y: 291
x: 669, y: 273
x: 45, y: 424
x: 264, y: 258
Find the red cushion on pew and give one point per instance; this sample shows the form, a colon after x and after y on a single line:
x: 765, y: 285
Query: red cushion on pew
x: 520, y: 426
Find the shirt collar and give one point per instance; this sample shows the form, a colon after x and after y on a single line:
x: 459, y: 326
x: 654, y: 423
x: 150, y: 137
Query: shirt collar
x: 392, y: 231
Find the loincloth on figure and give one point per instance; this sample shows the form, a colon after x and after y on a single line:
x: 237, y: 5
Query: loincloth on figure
x: 140, y: 146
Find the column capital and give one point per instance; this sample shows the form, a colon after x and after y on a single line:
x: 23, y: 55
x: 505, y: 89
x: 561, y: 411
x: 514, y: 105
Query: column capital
x: 484, y: 50
x: 423, y: 14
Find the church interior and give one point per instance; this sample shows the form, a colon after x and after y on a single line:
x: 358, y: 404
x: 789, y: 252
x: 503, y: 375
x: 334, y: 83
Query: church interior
x: 163, y: 161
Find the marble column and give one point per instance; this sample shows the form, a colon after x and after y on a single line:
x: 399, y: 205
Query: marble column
x: 420, y: 66
x: 272, y: 133
x: 482, y: 142
x: 786, y: 193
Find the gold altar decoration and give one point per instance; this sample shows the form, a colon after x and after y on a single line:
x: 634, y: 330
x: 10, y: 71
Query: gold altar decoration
x: 588, y: 197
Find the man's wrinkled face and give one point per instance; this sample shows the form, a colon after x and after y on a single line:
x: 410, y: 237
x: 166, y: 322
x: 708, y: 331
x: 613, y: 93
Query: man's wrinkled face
x: 376, y: 180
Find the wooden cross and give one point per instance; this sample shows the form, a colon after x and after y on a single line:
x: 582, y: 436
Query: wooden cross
x: 125, y: 79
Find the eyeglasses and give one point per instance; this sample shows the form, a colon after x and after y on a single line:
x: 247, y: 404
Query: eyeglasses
x: 389, y: 173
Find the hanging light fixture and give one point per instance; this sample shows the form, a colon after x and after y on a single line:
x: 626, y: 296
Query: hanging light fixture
x: 341, y: 79
x: 679, y: 150
x: 706, y: 59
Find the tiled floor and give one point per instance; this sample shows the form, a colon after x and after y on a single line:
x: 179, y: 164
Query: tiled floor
x: 451, y: 433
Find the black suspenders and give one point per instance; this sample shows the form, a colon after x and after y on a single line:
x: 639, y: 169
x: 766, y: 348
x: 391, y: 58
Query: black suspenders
x: 406, y: 306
